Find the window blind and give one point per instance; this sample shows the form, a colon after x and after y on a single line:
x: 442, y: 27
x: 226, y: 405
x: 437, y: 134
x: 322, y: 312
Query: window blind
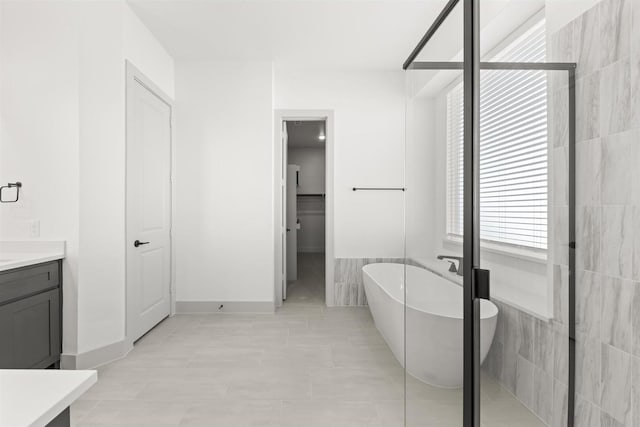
x: 513, y: 149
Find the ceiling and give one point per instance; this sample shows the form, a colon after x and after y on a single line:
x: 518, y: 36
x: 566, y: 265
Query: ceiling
x: 304, y: 134
x: 328, y: 34
x: 341, y: 34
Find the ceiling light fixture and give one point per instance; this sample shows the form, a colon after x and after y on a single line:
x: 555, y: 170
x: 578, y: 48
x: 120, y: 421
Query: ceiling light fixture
x: 322, y: 137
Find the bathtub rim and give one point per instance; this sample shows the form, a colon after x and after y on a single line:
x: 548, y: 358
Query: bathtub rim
x: 493, y: 307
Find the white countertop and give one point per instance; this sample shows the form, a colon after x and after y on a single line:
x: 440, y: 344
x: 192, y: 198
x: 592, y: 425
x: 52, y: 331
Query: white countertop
x: 34, y: 397
x: 14, y: 254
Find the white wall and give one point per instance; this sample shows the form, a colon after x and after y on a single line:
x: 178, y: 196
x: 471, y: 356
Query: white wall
x: 39, y: 130
x: 148, y: 55
x: 63, y: 85
x: 101, y: 161
x: 224, y: 181
x: 368, y: 111
x: 110, y: 34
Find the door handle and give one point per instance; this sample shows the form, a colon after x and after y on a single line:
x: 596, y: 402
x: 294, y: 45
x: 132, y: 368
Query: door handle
x: 482, y: 283
x: 139, y: 243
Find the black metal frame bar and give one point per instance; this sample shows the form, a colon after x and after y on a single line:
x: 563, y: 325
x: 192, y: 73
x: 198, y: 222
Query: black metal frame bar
x: 520, y: 66
x: 471, y: 209
x: 471, y: 67
x: 572, y: 248
x: 430, y: 32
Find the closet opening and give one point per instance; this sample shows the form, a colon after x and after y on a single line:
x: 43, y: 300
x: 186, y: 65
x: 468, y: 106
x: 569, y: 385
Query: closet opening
x: 305, y: 211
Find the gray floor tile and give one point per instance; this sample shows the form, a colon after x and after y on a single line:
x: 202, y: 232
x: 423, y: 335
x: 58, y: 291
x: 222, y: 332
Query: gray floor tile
x: 306, y: 365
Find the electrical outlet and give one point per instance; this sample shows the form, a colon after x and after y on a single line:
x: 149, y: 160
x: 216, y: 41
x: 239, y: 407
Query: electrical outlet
x: 34, y: 228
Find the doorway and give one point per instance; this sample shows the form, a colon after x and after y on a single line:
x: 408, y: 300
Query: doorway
x: 148, y: 205
x: 305, y: 211
x: 303, y: 208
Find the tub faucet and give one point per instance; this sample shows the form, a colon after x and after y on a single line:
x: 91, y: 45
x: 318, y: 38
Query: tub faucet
x: 452, y: 267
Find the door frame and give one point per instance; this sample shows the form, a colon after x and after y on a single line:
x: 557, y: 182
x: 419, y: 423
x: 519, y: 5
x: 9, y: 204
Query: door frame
x: 281, y: 115
x: 133, y: 76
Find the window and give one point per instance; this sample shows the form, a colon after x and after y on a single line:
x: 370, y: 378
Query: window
x: 513, y: 150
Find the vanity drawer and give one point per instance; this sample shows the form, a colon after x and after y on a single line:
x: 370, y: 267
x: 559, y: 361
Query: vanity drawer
x: 26, y: 281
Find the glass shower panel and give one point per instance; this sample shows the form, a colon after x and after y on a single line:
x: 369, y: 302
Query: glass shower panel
x: 433, y: 278
x: 524, y: 232
x: 524, y: 188
x: 525, y: 209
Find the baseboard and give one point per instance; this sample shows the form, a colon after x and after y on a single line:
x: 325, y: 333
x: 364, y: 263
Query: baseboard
x: 191, y: 307
x: 96, y: 357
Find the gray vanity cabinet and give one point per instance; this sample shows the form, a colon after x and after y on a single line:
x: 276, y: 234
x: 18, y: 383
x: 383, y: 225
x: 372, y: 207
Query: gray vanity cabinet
x: 30, y: 316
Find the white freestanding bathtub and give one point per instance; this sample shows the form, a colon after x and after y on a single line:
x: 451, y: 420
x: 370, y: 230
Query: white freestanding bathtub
x: 434, y: 320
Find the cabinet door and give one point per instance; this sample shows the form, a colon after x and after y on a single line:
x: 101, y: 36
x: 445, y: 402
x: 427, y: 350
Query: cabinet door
x: 30, y: 332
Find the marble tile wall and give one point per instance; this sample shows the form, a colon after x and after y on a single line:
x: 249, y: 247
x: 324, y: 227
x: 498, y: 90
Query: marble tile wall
x: 606, y: 48
x: 529, y: 358
x: 608, y: 234
x: 348, y: 284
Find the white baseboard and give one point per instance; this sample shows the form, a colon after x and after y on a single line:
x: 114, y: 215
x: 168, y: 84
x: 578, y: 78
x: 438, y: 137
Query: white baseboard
x: 96, y: 357
x: 192, y: 307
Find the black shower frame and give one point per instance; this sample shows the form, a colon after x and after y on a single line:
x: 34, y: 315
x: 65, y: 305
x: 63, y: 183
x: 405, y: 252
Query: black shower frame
x: 475, y: 279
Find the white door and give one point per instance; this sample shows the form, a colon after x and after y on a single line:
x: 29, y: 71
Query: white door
x: 148, y: 213
x: 292, y: 223
x: 283, y: 207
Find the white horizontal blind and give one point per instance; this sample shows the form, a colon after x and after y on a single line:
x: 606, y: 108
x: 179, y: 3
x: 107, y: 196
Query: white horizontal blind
x: 455, y: 174
x: 513, y: 149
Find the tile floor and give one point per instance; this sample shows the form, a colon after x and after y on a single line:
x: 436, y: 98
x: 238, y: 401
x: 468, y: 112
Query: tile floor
x: 306, y: 365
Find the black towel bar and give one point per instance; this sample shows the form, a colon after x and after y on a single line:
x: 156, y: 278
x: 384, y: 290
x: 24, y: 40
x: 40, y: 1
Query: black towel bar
x: 378, y: 189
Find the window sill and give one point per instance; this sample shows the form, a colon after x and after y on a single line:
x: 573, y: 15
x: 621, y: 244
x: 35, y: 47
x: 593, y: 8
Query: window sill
x: 534, y: 304
x: 505, y: 288
x: 513, y: 252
